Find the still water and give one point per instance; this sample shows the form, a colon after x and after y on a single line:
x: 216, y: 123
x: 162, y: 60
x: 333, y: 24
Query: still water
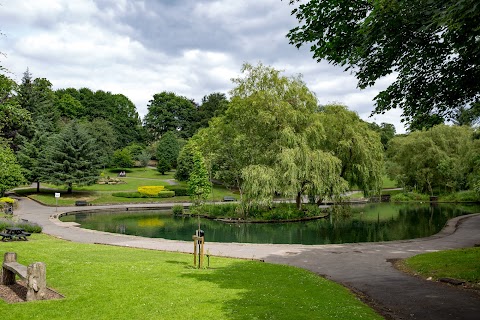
x: 364, y: 223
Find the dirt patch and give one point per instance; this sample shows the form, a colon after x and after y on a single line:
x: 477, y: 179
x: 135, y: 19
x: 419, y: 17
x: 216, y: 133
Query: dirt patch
x: 18, y: 293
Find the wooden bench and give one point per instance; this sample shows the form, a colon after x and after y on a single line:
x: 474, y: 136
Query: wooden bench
x: 5, y: 236
x: 80, y: 203
x: 34, y: 275
x: 228, y: 198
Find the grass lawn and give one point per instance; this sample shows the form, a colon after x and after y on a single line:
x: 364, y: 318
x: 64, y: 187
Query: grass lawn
x: 105, y: 282
x: 102, y: 194
x: 461, y: 264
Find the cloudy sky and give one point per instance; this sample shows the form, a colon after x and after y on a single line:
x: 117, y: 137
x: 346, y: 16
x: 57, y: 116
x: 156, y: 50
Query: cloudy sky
x: 142, y: 47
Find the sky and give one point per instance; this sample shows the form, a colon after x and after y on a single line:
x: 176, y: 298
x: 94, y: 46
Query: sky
x: 189, y: 47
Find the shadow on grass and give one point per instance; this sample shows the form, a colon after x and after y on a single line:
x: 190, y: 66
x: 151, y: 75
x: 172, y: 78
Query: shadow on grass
x: 267, y: 291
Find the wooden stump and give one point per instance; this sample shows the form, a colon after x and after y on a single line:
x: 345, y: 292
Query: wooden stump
x: 36, y: 281
x: 8, y: 277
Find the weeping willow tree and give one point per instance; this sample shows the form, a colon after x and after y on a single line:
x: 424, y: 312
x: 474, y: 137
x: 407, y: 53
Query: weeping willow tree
x: 272, y: 139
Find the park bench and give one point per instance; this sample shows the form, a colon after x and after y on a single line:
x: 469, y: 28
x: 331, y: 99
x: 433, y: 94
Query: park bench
x: 34, y: 275
x: 228, y: 198
x: 80, y: 203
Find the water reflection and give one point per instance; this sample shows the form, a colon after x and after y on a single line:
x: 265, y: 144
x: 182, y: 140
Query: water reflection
x: 365, y: 223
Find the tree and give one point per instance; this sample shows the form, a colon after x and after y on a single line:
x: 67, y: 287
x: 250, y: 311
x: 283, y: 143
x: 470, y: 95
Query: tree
x: 163, y: 165
x: 444, y: 158
x: 213, y: 105
x: 144, y: 158
x: 185, y: 160
x: 71, y: 157
x: 169, y: 112
x: 168, y: 149
x: 13, y: 118
x: 385, y: 130
x: 357, y: 146
x: 10, y: 171
x: 199, y: 185
x: 430, y: 45
x: 122, y: 158
x: 270, y: 127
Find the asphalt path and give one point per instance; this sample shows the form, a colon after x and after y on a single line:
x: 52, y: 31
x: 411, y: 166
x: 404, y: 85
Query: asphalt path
x: 365, y: 268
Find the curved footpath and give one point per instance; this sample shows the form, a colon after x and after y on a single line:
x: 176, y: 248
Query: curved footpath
x: 366, y: 268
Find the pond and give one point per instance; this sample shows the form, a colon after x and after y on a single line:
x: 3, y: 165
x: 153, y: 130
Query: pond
x: 365, y: 223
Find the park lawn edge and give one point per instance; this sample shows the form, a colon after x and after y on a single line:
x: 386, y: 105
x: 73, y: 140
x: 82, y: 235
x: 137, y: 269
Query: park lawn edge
x: 447, y: 264
x: 231, y: 289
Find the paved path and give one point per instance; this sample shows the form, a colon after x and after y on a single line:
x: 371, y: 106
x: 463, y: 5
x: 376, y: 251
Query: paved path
x: 363, y: 267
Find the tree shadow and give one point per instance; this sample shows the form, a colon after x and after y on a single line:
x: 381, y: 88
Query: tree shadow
x: 267, y: 291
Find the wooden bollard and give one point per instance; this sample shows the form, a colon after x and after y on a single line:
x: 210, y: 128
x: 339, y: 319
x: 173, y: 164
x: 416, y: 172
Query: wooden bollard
x: 36, y: 281
x: 8, y: 277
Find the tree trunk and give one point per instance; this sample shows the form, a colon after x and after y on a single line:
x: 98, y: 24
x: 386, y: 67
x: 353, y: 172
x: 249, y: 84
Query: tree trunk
x: 299, y: 200
x: 38, y: 186
x: 69, y: 189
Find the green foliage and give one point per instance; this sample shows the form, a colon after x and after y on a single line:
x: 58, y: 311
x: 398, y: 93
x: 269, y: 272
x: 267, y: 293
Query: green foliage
x: 71, y: 158
x: 177, y: 209
x: 357, y: 146
x: 144, y: 158
x: 431, y: 46
x: 29, y: 227
x: 213, y: 105
x: 199, y: 185
x: 10, y: 171
x: 168, y: 149
x: 169, y: 112
x: 185, y: 160
x: 179, y: 191
x: 409, y: 196
x: 444, y: 158
x: 166, y: 194
x: 130, y: 195
x: 122, y: 158
x: 163, y: 165
x: 461, y: 196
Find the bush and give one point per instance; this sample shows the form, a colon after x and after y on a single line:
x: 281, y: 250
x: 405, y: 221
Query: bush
x: 462, y: 196
x: 118, y: 170
x: 129, y: 195
x: 151, y: 191
x: 410, y: 196
x: 27, y: 226
x: 166, y: 194
x: 179, y: 191
x: 177, y: 209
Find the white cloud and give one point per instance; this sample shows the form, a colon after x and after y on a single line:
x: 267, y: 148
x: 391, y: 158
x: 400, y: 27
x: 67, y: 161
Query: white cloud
x: 139, y: 48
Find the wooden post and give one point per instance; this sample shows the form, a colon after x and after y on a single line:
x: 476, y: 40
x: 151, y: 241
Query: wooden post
x: 8, y: 277
x: 194, y: 251
x: 36, y: 281
x: 201, y: 252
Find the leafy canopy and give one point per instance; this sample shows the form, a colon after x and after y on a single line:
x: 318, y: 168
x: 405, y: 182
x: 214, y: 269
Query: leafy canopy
x: 430, y: 45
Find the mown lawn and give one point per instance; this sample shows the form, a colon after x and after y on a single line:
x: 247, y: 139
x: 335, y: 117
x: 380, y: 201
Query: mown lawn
x: 105, y: 282
x: 102, y: 194
x: 461, y: 264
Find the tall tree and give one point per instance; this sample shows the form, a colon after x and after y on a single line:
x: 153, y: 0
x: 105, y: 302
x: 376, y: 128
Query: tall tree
x: 199, y: 185
x: 13, y: 118
x: 71, y: 157
x: 169, y: 112
x: 10, y: 171
x: 430, y: 45
x: 213, y: 105
x: 357, y: 146
x: 168, y: 149
x: 270, y: 127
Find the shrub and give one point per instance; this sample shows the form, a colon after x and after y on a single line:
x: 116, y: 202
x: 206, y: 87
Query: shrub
x: 177, y: 209
x: 410, y: 196
x: 166, y: 194
x: 128, y: 195
x: 151, y: 191
x: 179, y: 191
x: 27, y: 226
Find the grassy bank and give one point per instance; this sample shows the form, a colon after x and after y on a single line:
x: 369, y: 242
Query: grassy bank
x: 104, y: 282
x: 461, y: 264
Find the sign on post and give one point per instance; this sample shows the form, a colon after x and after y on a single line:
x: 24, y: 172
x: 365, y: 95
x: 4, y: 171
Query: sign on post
x: 57, y: 195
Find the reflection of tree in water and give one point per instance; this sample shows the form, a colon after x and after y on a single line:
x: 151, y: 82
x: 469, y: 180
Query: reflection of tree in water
x: 366, y: 223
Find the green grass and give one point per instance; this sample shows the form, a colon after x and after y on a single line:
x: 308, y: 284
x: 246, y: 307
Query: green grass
x: 104, y: 282
x: 102, y: 194
x: 461, y: 264
x: 388, y: 183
